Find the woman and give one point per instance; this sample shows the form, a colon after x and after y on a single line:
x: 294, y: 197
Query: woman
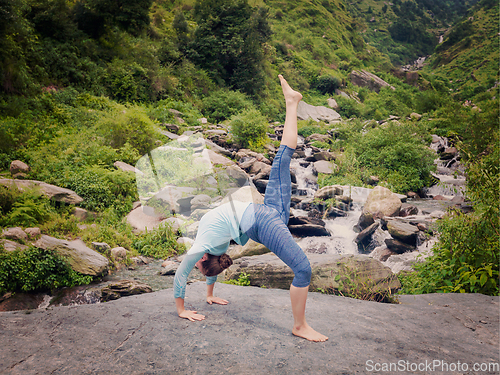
x: 263, y: 223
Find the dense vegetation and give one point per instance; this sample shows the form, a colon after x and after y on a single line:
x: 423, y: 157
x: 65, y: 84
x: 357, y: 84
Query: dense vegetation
x: 88, y: 82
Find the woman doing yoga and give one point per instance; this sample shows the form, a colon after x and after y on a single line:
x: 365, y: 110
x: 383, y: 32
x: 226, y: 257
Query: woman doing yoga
x: 264, y: 223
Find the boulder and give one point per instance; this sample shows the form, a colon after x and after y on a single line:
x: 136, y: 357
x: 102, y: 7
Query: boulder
x: 306, y: 111
x: 142, y: 218
x: 363, y: 78
x: 317, y: 138
x: 126, y: 167
x: 245, y: 153
x: 381, y: 253
x: 50, y: 191
x: 403, y: 232
x: 237, y: 174
x: 16, y: 234
x: 101, y: 247
x: 123, y: 288
x: 333, y: 103
x: 449, y: 153
x: 80, y: 257
x: 215, y: 158
x: 18, y: 168
x: 81, y: 213
x: 330, y: 272
x: 33, y: 232
x: 398, y: 247
x: 200, y: 201
x: 323, y: 166
x: 174, y: 222
x: 9, y: 245
x: 251, y: 248
x: 169, y: 268
x: 365, y: 220
x: 324, y: 155
x: 336, y: 212
x: 415, y: 116
x: 119, y: 253
x: 382, y: 202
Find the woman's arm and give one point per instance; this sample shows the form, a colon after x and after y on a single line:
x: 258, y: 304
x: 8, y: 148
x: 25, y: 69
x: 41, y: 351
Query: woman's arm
x: 210, y: 295
x: 180, y: 280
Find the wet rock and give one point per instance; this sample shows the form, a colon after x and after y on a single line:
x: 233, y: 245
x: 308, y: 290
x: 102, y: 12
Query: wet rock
x: 123, y: 288
x: 382, y: 202
x: 449, y: 153
x: 403, y: 232
x: 269, y: 271
x: 307, y: 230
x: 365, y: 220
x: 408, y: 210
x: 336, y: 212
x: 328, y: 192
x: 81, y: 258
x: 364, y: 238
x: 398, y: 246
x: 50, y: 191
x: 16, y: 234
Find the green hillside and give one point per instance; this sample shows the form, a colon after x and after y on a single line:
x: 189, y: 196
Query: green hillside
x: 86, y: 83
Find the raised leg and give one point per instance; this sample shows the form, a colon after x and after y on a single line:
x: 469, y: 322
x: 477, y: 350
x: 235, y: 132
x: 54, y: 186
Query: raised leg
x: 292, y: 99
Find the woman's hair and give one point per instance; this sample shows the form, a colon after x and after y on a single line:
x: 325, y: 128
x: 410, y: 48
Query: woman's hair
x: 213, y: 264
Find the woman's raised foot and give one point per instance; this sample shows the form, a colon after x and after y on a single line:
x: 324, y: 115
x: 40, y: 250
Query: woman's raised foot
x: 291, y: 96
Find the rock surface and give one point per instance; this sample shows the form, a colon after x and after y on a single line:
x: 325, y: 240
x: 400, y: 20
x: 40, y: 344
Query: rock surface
x: 366, y: 79
x: 382, y: 202
x: 251, y: 335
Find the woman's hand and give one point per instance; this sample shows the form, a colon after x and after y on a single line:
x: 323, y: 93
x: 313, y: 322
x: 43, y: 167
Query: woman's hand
x: 219, y: 301
x: 191, y: 315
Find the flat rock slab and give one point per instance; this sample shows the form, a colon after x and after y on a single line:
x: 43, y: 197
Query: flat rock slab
x: 143, y: 335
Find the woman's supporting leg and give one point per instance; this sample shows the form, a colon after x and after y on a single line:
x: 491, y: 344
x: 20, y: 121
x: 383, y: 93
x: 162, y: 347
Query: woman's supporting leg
x: 292, y: 99
x: 298, y: 297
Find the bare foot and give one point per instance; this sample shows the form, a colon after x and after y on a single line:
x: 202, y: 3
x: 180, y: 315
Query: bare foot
x: 308, y: 333
x: 291, y: 96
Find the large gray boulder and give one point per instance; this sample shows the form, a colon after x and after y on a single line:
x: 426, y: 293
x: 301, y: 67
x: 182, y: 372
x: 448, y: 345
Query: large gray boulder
x: 18, y: 169
x: 363, y: 78
x: 57, y: 193
x: 123, y: 288
x: 306, y: 111
x: 330, y: 272
x: 143, y: 218
x: 81, y: 258
x: 323, y: 166
x: 327, y: 192
x: 382, y: 202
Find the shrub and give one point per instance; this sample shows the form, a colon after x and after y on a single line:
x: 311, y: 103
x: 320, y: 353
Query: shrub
x: 36, y: 269
x: 327, y: 84
x: 158, y: 243
x: 249, y: 129
x: 223, y: 104
x: 24, y: 209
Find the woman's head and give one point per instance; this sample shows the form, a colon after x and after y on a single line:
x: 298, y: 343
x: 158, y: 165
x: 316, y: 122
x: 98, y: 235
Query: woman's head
x: 211, y: 265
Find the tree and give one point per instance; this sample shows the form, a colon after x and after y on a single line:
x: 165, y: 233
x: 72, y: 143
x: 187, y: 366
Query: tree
x: 228, y: 42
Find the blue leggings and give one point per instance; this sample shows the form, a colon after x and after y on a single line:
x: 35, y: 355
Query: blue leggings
x: 267, y: 223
